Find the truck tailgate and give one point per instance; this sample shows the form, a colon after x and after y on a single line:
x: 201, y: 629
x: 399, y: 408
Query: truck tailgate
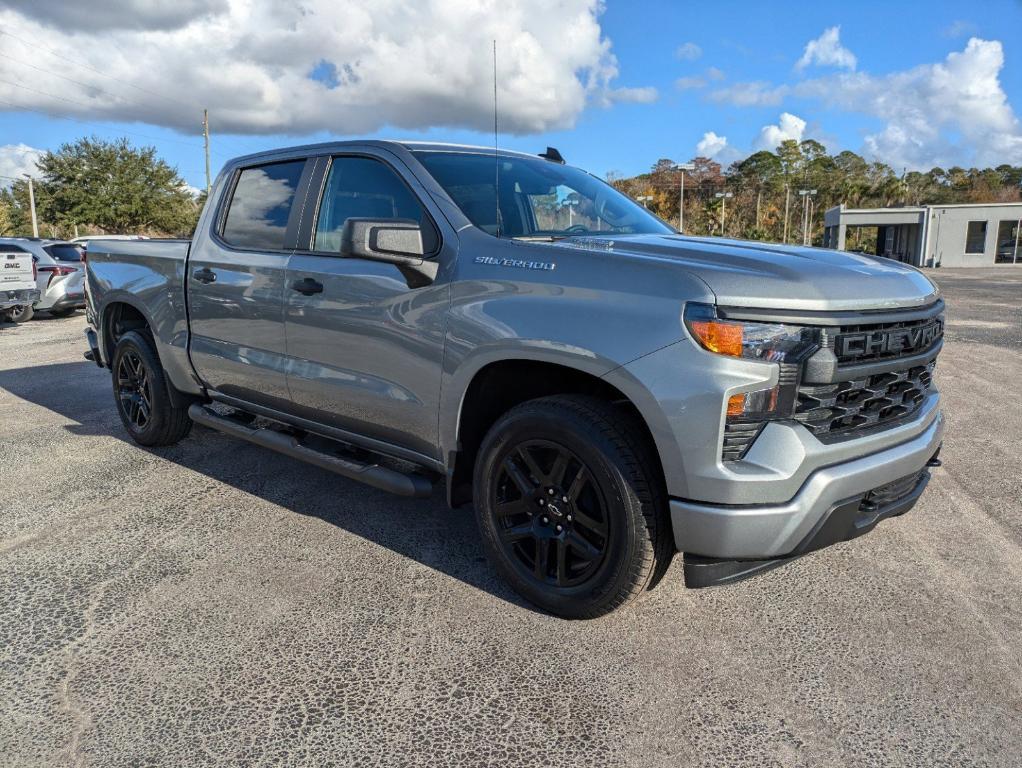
x: 16, y: 272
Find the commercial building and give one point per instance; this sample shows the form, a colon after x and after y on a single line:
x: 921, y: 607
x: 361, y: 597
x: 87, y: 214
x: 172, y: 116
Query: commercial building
x: 963, y: 235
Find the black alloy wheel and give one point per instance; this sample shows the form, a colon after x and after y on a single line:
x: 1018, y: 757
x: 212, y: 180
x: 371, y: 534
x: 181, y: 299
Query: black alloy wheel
x: 572, y: 505
x: 550, y: 516
x: 134, y: 390
x: 143, y: 394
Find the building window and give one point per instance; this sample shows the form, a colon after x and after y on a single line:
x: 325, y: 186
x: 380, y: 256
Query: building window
x: 976, y: 237
x: 1009, y: 246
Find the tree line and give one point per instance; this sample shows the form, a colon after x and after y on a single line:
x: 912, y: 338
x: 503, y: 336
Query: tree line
x: 93, y: 186
x: 764, y: 203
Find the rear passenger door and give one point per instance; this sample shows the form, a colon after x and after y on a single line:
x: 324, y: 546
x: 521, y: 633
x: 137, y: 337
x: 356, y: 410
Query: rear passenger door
x: 235, y: 284
x: 365, y: 351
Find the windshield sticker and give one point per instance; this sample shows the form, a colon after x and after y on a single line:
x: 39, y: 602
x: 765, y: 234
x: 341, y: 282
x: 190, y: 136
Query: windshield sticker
x: 589, y: 243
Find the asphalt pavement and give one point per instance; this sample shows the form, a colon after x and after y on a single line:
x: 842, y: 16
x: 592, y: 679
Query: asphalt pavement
x: 214, y: 604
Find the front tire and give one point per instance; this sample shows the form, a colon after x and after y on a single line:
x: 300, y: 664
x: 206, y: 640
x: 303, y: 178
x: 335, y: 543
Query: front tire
x: 141, y: 394
x: 571, y: 507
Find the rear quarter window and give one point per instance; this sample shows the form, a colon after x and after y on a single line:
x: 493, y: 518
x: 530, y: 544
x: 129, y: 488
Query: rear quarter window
x: 261, y: 206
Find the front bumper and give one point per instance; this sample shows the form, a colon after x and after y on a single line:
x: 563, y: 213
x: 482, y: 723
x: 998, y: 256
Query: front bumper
x: 761, y: 532
x: 19, y: 298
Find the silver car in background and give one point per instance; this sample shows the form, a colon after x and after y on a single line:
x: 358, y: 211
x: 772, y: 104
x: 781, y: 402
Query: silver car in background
x: 60, y: 276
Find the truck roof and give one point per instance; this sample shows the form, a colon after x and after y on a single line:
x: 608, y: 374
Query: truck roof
x: 409, y: 145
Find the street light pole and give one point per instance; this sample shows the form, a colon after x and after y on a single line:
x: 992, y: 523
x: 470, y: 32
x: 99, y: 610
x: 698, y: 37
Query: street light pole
x: 805, y: 194
x: 31, y: 205
x: 681, y: 193
x: 723, y: 196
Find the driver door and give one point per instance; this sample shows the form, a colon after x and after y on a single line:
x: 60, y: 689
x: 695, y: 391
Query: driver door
x: 364, y: 348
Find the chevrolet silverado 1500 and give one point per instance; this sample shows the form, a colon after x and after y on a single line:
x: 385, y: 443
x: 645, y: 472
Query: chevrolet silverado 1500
x: 603, y: 390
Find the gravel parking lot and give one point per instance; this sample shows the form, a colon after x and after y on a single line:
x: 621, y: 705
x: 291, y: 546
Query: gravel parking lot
x: 216, y: 604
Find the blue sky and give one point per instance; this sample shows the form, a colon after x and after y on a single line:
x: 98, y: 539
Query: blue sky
x: 724, y: 47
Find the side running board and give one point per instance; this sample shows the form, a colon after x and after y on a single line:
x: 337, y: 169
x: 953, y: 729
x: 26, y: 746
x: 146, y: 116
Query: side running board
x: 384, y: 478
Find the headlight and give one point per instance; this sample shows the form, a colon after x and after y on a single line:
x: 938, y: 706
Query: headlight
x: 785, y: 345
x: 769, y: 342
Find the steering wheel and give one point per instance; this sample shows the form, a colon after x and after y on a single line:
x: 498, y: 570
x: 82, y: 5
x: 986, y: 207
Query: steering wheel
x: 577, y: 228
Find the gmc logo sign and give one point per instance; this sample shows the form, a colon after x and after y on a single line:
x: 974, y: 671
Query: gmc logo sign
x: 15, y: 265
x: 895, y: 341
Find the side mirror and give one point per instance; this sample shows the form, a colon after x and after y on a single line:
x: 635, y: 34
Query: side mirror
x: 393, y: 241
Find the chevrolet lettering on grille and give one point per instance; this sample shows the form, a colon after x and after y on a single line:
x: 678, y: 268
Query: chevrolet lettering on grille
x: 893, y: 341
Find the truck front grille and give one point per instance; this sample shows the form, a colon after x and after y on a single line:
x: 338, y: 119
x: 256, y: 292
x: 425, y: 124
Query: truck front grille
x: 849, y: 408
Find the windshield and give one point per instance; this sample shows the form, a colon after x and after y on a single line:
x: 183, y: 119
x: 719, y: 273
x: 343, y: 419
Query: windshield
x: 538, y: 198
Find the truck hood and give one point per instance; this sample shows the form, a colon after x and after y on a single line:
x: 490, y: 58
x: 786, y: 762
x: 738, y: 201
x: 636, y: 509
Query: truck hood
x: 743, y: 273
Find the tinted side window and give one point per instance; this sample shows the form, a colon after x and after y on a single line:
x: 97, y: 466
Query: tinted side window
x: 359, y: 187
x: 261, y: 205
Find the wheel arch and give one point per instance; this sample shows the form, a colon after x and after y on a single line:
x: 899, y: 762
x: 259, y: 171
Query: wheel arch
x: 499, y: 385
x: 122, y: 314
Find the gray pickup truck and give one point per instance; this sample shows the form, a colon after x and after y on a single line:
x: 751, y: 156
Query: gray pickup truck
x: 603, y: 390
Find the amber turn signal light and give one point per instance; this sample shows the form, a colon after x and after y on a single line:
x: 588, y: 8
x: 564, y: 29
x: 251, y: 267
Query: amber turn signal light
x: 722, y: 338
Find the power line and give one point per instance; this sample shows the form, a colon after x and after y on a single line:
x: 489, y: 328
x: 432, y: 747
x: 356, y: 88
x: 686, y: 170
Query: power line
x: 90, y: 106
x: 80, y: 64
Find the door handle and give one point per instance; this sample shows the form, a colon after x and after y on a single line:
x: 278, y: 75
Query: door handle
x: 204, y: 275
x: 308, y: 286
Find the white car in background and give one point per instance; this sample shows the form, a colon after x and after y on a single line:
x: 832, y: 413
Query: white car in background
x: 60, y: 276
x: 17, y: 282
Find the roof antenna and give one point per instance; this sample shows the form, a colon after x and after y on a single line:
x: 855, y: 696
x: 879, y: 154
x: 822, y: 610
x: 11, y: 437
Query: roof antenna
x: 496, y: 158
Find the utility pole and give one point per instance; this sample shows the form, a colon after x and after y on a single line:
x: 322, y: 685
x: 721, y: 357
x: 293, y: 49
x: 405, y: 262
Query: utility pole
x: 205, y: 135
x: 723, y: 196
x: 1014, y: 254
x: 806, y: 194
x: 31, y: 205
x: 787, y: 199
x: 681, y: 193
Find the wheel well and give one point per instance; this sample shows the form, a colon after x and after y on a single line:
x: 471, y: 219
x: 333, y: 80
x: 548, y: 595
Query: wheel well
x: 118, y: 320
x: 501, y: 386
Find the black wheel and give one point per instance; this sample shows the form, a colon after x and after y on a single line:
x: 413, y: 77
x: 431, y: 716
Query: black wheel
x: 21, y: 314
x: 571, y: 507
x: 140, y: 390
x: 62, y: 312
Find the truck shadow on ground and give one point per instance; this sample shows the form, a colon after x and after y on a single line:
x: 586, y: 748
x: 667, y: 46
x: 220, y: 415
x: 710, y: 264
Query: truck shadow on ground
x: 424, y: 530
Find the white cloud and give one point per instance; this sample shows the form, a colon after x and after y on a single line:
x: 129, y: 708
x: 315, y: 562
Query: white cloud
x: 712, y: 73
x: 688, y: 52
x: 789, y: 126
x: 690, y: 83
x: 100, y: 15
x: 754, y: 94
x: 18, y: 159
x: 711, y: 145
x: 391, y: 63
x: 827, y: 51
x: 645, y: 95
x: 959, y: 28
x: 952, y: 112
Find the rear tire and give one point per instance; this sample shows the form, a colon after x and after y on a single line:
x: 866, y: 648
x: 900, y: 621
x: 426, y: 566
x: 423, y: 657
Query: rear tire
x: 572, y: 509
x: 141, y: 394
x: 21, y: 314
